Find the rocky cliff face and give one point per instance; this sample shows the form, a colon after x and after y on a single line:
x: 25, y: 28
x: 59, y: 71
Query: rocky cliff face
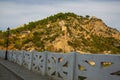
x: 99, y: 28
x: 65, y: 32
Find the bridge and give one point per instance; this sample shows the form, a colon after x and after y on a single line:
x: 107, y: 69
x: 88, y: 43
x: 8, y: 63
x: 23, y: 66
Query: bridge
x: 58, y: 66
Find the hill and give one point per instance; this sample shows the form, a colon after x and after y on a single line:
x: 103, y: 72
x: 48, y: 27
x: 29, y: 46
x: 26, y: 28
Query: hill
x: 66, y: 32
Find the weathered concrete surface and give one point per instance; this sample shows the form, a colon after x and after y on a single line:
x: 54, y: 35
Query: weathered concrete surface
x: 19, y: 71
x: 5, y: 74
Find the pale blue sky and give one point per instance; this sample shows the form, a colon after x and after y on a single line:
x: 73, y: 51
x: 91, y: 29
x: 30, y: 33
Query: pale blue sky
x: 14, y: 13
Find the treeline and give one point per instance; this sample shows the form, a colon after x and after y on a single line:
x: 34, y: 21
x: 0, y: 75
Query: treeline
x: 52, y: 18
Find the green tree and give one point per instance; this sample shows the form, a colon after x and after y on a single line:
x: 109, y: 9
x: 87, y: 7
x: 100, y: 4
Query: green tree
x: 87, y: 16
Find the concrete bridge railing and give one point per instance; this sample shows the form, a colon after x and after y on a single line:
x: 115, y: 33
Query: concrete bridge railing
x: 71, y: 66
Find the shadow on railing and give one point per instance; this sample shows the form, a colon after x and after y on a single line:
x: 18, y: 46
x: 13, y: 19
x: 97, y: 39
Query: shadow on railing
x: 71, y: 66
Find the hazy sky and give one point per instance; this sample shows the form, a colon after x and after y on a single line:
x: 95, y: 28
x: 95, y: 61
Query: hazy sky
x: 14, y: 13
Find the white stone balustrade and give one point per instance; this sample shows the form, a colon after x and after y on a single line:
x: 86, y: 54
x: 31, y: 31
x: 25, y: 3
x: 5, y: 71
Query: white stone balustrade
x: 10, y: 55
x: 27, y: 60
x: 39, y: 62
x: 70, y: 66
x: 60, y: 66
x: 19, y: 57
x: 14, y: 56
x: 97, y: 67
x: 2, y: 54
